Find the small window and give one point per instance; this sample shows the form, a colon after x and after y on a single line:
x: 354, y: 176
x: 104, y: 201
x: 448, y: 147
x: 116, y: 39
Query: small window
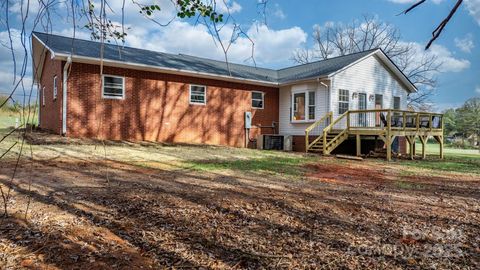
x: 257, y: 100
x: 113, y: 87
x: 43, y: 96
x: 343, y: 101
x: 396, y: 103
x: 55, y: 87
x: 311, y: 105
x: 198, y: 94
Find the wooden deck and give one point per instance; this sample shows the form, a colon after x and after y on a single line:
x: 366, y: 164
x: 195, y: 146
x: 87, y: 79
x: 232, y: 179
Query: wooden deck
x: 386, y: 124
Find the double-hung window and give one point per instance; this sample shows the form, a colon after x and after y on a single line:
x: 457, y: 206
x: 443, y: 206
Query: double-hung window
x: 198, y: 94
x: 343, y: 101
x: 113, y: 87
x: 55, y: 89
x: 257, y: 100
x: 303, y: 106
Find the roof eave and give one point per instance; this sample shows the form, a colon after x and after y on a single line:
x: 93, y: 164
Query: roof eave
x: 108, y: 62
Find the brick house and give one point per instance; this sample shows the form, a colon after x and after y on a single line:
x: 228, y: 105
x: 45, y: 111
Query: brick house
x: 123, y: 93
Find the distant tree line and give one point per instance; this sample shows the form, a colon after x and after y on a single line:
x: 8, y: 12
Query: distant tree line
x: 464, y: 121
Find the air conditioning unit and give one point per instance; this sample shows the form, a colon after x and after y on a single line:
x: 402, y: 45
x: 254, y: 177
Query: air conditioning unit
x: 274, y: 142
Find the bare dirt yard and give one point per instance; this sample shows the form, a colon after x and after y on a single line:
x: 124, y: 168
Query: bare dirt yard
x: 152, y: 206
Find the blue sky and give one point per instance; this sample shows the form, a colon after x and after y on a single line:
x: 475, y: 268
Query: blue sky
x: 288, y: 27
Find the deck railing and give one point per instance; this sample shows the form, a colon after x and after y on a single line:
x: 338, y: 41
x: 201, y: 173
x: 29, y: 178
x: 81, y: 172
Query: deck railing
x: 389, y: 119
x: 376, y: 121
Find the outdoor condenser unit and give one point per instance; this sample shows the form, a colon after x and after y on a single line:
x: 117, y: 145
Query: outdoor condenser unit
x: 274, y: 142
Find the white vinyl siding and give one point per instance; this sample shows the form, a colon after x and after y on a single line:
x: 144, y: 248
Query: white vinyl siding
x: 113, y: 87
x: 286, y: 125
x: 198, y: 94
x: 371, y: 77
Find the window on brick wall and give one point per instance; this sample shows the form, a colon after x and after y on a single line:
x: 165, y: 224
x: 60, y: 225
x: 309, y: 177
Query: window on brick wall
x: 257, y: 100
x: 198, y: 94
x: 55, y: 90
x: 113, y: 87
x: 43, y: 96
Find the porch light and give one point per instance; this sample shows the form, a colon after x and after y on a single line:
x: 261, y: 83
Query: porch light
x: 354, y: 95
x: 371, y: 97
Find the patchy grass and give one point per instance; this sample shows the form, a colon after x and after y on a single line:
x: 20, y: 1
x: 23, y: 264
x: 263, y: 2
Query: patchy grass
x: 153, y: 206
x: 408, y: 185
x: 8, y: 119
x: 456, y: 160
x: 275, y: 163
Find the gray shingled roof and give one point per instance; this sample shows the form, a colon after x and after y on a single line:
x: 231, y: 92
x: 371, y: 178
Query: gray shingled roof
x: 86, y: 48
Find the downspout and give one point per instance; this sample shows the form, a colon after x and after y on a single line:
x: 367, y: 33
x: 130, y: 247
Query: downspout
x: 328, y: 95
x: 64, y: 95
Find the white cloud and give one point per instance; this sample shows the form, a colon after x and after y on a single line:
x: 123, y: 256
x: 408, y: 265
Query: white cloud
x: 271, y: 46
x: 450, y: 63
x: 477, y: 89
x: 448, y: 60
x: 465, y: 44
x: 228, y: 6
x: 473, y: 7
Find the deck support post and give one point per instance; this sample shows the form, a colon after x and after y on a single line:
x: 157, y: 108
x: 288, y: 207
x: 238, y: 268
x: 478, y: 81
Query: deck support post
x: 439, y: 139
x: 359, y: 145
x: 389, y: 147
x: 424, y: 140
x: 411, y: 146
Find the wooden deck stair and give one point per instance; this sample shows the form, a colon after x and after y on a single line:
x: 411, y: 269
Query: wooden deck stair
x: 329, y: 133
x: 317, y: 147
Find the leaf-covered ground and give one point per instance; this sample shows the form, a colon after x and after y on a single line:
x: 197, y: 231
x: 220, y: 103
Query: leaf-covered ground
x: 151, y: 206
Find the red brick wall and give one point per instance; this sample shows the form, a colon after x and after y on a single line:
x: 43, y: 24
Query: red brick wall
x: 51, y: 114
x: 156, y: 108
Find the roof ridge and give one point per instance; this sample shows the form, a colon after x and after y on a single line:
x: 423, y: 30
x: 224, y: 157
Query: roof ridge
x: 238, y: 64
x: 335, y: 57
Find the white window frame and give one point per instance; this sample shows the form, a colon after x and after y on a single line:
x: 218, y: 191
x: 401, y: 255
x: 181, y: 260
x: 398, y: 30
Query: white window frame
x: 190, y: 95
x: 103, y: 87
x: 55, y: 89
x: 347, y: 102
x: 43, y: 96
x: 252, y: 99
x: 307, y: 106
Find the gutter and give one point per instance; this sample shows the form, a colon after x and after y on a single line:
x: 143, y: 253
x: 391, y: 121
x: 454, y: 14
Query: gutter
x: 64, y: 95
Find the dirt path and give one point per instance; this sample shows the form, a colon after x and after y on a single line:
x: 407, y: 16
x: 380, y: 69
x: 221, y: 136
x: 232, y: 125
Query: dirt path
x: 341, y: 214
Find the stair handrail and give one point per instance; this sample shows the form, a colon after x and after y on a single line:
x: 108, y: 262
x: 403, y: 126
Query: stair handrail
x: 314, y: 125
x: 329, y: 128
